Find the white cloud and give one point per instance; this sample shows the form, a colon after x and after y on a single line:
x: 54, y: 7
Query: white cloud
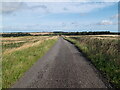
x: 113, y: 20
x: 53, y: 7
x: 9, y: 7
x: 105, y: 22
x: 71, y: 7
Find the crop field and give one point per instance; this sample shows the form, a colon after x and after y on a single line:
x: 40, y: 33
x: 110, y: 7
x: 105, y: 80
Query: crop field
x: 103, y: 52
x: 14, y: 43
x: 20, y: 53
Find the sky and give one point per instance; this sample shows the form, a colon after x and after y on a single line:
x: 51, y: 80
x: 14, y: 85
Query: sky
x: 59, y: 16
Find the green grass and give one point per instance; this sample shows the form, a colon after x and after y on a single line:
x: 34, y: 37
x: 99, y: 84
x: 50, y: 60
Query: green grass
x: 15, y: 64
x: 103, y: 54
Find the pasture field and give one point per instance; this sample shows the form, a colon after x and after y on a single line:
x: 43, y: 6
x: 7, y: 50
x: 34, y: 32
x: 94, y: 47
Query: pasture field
x: 103, y: 51
x: 20, y: 53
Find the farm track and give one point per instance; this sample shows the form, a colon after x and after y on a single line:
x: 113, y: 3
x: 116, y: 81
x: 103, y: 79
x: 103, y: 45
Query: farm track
x: 62, y: 67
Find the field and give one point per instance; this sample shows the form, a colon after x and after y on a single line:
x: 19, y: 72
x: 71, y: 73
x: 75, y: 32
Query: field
x: 103, y: 52
x: 20, y: 53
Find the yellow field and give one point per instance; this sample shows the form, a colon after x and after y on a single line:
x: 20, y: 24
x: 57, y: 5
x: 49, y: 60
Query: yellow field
x: 98, y: 36
x: 27, y: 41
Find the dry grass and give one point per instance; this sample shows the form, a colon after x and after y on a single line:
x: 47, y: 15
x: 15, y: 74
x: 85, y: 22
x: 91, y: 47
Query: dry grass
x: 9, y: 39
x: 12, y: 38
x: 33, y: 41
x: 104, y: 35
x: 12, y: 42
x: 27, y: 45
x: 41, y: 33
x: 98, y: 36
x: 107, y: 37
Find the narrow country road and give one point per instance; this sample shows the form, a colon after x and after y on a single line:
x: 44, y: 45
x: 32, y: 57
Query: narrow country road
x: 63, y: 66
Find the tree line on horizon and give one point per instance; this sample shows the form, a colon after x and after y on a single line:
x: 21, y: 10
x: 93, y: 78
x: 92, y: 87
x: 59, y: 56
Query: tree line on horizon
x: 58, y: 33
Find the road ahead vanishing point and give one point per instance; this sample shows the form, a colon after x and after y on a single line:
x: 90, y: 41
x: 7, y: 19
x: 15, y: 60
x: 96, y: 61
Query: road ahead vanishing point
x: 62, y: 67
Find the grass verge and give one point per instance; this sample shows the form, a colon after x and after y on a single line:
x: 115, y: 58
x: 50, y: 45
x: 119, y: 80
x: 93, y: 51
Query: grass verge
x: 15, y: 64
x: 103, y: 54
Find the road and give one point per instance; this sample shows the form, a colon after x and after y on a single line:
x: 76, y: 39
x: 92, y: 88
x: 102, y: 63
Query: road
x: 63, y: 66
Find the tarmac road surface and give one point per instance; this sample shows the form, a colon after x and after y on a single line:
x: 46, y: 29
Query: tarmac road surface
x: 63, y: 66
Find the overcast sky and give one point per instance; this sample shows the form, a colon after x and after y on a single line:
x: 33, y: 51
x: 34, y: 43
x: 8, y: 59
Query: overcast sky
x: 63, y: 16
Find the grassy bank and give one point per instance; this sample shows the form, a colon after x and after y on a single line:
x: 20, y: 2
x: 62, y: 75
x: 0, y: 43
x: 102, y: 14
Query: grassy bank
x: 16, y: 63
x: 104, y: 55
